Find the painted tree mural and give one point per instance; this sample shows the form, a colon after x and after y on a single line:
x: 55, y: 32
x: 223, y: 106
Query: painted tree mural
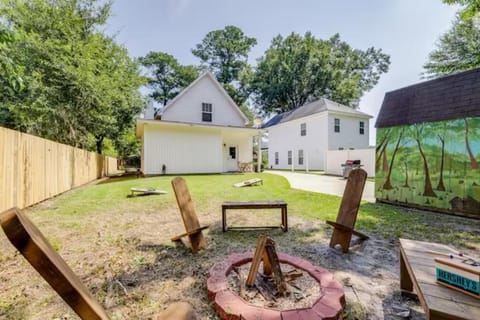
x: 431, y: 165
x: 473, y: 161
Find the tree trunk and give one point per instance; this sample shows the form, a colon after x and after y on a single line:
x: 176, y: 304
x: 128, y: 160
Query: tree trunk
x: 473, y: 161
x: 406, y: 175
x: 388, y: 185
x: 99, y: 142
x: 428, y: 191
x: 441, y: 186
x: 379, y: 153
x: 385, y: 161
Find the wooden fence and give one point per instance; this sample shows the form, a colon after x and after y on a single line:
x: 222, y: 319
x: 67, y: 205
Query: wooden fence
x: 33, y: 169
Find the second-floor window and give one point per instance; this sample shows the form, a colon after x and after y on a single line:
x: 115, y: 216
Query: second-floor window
x: 276, y: 157
x: 362, y: 127
x: 300, y: 157
x: 337, y: 125
x: 289, y: 157
x: 207, y: 112
x: 303, y: 129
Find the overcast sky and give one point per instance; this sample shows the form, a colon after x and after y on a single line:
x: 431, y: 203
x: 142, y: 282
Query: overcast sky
x: 405, y: 29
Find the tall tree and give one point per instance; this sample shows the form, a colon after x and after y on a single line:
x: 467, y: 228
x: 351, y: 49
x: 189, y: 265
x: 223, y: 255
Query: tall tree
x: 388, y: 184
x: 297, y: 69
x: 79, y: 84
x: 470, y: 7
x: 473, y: 161
x: 420, y: 133
x: 456, y: 50
x: 383, y: 136
x: 225, y: 53
x: 167, y: 77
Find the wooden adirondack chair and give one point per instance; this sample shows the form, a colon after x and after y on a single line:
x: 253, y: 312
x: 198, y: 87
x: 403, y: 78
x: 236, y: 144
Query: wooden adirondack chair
x: 31, y: 243
x: 347, y: 214
x: 189, y: 216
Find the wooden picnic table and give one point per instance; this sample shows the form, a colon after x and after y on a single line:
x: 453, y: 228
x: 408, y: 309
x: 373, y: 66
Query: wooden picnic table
x: 255, y: 205
x: 417, y: 272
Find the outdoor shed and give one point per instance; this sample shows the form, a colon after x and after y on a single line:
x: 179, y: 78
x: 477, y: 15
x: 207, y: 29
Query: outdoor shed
x: 428, y: 145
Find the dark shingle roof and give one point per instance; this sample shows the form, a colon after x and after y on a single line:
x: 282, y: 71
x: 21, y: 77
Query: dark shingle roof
x: 308, y: 109
x: 451, y: 97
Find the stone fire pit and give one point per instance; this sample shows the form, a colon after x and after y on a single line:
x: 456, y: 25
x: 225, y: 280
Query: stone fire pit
x: 230, y: 306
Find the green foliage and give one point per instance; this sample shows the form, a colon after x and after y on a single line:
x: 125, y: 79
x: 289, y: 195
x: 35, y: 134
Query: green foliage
x: 297, y: 69
x: 77, y: 81
x: 10, y: 78
x: 166, y: 76
x: 470, y: 10
x: 225, y: 52
x: 457, y: 50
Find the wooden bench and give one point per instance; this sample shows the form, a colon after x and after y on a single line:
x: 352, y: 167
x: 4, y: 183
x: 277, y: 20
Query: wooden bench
x: 417, y: 277
x: 255, y: 205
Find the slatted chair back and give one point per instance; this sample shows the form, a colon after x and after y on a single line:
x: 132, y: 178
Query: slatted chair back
x: 348, y: 211
x: 31, y: 243
x: 189, y: 215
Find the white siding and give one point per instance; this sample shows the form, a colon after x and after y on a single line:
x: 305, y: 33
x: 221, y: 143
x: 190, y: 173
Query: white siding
x: 335, y: 158
x: 286, y: 136
x: 182, y: 150
x: 188, y: 106
x: 349, y: 135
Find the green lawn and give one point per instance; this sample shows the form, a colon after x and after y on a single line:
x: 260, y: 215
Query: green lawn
x: 209, y: 191
x: 120, y: 246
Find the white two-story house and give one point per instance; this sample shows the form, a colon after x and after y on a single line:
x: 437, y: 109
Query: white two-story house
x: 300, y: 138
x: 201, y: 130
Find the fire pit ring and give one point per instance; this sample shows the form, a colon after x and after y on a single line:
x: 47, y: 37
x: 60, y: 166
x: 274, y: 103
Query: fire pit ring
x: 232, y: 307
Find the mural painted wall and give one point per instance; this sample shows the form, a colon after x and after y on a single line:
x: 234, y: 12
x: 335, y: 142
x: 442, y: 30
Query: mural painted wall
x: 433, y: 165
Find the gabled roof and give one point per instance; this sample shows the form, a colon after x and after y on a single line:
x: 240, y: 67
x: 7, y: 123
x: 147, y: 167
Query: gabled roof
x: 314, y: 107
x: 207, y: 74
x: 451, y: 97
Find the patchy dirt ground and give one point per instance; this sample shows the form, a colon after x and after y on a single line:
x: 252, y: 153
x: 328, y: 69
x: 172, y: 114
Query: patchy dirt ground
x: 128, y: 262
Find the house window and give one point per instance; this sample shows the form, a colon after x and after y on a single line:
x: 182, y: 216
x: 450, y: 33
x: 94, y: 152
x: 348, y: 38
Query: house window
x: 337, y: 125
x: 300, y: 157
x: 362, y: 127
x: 289, y: 156
x: 276, y: 157
x: 232, y: 151
x: 207, y: 112
x: 303, y: 129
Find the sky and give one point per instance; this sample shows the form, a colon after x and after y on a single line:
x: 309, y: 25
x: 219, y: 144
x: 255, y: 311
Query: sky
x: 407, y: 30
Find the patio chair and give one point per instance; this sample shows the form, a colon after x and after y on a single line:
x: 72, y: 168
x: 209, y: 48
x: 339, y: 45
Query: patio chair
x: 189, y: 216
x: 347, y: 214
x: 31, y: 243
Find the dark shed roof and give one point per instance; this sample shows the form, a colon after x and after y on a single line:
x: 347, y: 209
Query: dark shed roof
x: 451, y: 97
x: 313, y: 107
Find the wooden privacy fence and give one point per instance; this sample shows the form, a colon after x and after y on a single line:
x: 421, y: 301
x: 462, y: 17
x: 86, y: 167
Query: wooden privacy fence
x: 33, y: 169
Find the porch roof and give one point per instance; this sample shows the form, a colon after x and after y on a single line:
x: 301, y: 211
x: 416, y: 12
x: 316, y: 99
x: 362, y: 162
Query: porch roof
x: 162, y: 123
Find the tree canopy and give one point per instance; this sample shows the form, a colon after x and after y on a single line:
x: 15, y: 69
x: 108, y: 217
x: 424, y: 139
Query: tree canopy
x: 225, y: 53
x: 456, y: 50
x: 167, y: 77
x: 296, y: 69
x: 470, y: 7
x: 80, y: 87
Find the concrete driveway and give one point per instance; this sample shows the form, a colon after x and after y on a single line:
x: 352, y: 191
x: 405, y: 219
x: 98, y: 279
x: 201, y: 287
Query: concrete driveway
x: 323, y: 184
